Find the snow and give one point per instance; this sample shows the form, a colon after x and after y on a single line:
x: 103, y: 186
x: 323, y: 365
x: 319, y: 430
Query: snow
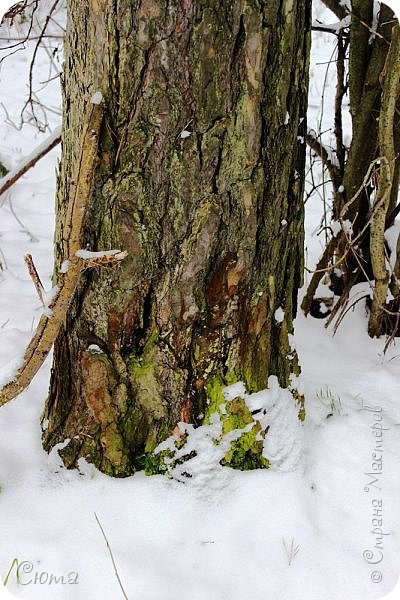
x: 274, y: 409
x: 64, y: 266
x: 97, y: 98
x: 235, y: 390
x: 4, y: 5
x: 322, y: 523
x: 391, y: 236
x: 89, y: 255
x: 347, y: 227
x: 9, y: 370
x: 95, y: 348
x: 337, y: 226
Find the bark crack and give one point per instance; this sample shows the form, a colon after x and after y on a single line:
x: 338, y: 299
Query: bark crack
x: 235, y: 64
x: 117, y: 52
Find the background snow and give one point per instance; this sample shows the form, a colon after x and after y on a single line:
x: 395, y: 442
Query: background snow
x: 230, y: 537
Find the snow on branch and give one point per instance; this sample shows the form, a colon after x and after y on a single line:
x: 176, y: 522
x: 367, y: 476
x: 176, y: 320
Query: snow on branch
x: 30, y: 161
x: 101, y: 259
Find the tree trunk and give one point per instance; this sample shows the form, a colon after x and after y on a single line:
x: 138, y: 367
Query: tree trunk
x: 200, y: 180
x: 367, y: 62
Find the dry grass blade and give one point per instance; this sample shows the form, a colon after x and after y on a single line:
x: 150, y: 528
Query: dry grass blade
x: 112, y: 558
x: 290, y: 549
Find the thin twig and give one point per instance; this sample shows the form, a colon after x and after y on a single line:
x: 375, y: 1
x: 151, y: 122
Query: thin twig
x: 41, y: 34
x: 362, y: 186
x: 322, y: 267
x: 345, y: 310
x: 32, y: 39
x: 35, y: 7
x: 318, y: 147
x: 24, y: 228
x: 393, y: 333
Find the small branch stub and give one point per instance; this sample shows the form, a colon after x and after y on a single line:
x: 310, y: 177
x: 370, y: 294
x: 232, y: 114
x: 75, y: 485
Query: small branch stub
x: 100, y: 259
x: 35, y: 277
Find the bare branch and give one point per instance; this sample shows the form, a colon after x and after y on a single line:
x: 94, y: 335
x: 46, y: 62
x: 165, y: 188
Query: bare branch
x: 318, y: 147
x: 322, y: 267
x: 323, y: 29
x: 363, y: 185
x: 13, y: 11
x: 50, y: 323
x: 340, y: 92
x: 31, y: 161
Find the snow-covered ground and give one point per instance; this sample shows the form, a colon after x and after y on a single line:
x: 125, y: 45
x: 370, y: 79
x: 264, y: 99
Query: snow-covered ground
x: 326, y: 530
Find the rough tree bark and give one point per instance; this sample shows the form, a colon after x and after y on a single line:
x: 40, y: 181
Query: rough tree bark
x: 200, y: 180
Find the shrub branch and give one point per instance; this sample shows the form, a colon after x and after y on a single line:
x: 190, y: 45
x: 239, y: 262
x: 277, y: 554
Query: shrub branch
x: 390, y: 95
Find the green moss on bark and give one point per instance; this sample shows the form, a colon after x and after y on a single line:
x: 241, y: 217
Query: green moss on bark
x: 246, y: 452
